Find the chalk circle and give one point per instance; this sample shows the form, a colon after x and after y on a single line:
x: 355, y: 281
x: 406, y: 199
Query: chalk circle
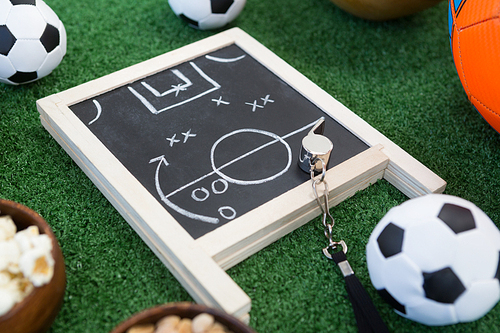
x: 276, y: 138
x: 222, y: 212
x: 224, y: 184
x: 202, y: 190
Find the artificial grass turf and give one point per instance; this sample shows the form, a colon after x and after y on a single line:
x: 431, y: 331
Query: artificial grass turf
x: 398, y: 76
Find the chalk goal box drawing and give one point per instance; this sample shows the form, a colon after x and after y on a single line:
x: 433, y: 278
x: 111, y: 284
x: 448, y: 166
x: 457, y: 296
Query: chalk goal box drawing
x: 199, y: 261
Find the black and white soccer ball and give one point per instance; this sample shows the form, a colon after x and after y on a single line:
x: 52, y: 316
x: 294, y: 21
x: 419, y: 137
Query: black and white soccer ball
x: 32, y: 41
x: 207, y: 14
x: 435, y: 259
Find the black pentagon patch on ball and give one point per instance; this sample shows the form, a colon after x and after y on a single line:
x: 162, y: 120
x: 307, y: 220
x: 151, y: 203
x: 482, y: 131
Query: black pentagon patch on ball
x: 23, y: 77
x: 458, y: 218
x: 391, y: 300
x: 443, y: 286
x: 7, y: 40
x: 50, y: 38
x: 390, y: 240
x: 23, y: 2
x: 189, y: 21
x: 221, y: 6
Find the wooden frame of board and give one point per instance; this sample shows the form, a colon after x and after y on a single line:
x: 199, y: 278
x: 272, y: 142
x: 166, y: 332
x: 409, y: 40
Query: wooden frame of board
x: 200, y: 264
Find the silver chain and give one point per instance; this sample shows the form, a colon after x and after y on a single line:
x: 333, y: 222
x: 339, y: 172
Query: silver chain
x: 327, y: 219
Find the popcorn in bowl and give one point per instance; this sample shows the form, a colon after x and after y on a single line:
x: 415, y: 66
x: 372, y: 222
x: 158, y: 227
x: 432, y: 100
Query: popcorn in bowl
x: 26, y: 262
x: 202, y: 323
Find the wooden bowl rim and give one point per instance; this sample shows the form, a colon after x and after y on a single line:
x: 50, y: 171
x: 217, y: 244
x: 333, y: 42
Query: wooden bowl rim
x: 184, y: 310
x: 43, y: 226
x: 56, y: 252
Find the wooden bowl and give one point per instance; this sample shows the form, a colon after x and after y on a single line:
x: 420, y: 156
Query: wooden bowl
x: 37, y: 311
x: 381, y: 10
x: 183, y: 310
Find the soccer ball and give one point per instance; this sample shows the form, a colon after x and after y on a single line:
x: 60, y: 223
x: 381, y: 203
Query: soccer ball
x: 207, y: 14
x: 32, y: 41
x: 474, y: 29
x: 435, y: 260
x: 381, y: 10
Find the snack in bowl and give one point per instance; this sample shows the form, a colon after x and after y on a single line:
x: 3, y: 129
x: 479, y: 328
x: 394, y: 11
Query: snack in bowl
x: 25, y: 262
x: 32, y: 271
x: 182, y: 317
x: 202, y: 323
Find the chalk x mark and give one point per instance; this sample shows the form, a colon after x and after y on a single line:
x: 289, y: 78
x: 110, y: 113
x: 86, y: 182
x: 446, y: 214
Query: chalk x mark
x: 175, y: 88
x: 267, y: 99
x: 188, y: 135
x: 178, y: 88
x: 99, y: 111
x: 220, y: 101
x: 172, y: 140
x: 225, y: 60
x: 153, y: 110
x: 254, y: 105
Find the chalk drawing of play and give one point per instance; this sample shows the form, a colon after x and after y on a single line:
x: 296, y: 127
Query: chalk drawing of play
x: 211, y: 138
x: 220, y: 185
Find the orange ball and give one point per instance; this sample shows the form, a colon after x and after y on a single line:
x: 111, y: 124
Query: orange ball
x: 474, y: 29
x: 381, y: 10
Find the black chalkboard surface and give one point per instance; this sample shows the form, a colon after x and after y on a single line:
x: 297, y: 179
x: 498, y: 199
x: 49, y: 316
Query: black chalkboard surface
x: 211, y: 138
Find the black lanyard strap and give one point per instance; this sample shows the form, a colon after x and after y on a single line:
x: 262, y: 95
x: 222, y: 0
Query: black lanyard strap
x: 367, y: 316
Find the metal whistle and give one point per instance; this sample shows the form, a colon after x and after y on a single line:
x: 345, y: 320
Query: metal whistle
x: 316, y: 149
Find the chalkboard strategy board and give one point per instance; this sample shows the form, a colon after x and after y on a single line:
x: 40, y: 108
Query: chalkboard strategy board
x: 198, y: 149
x: 211, y: 138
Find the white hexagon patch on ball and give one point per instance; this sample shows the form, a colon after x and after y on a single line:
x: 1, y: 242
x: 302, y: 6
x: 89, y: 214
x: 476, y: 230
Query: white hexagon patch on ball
x: 32, y: 41
x: 207, y: 14
x: 436, y: 260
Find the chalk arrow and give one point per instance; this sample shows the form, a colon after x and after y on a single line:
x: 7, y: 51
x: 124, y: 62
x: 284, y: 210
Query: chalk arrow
x: 161, y: 158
